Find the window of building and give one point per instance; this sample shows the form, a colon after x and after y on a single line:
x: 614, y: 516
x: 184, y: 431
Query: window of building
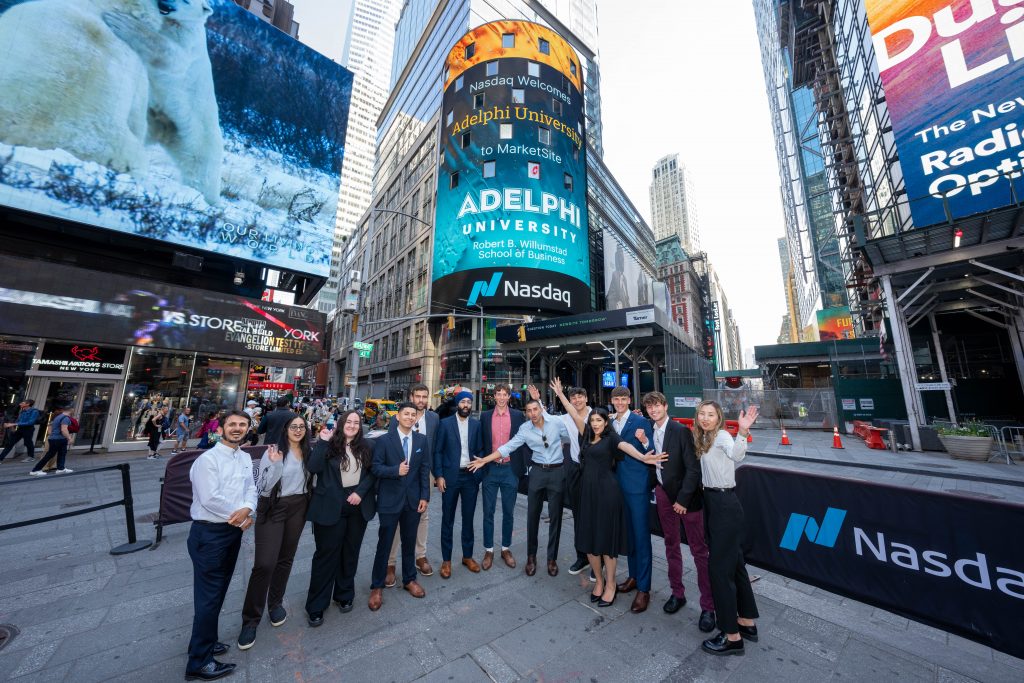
x: 489, y: 167
x: 453, y: 181
x: 556, y: 107
x: 533, y: 68
x: 572, y: 68
x: 505, y: 131
x: 458, y: 83
x: 492, y: 68
x: 478, y: 101
x: 156, y: 379
x: 465, y: 140
x: 508, y: 40
x: 544, y: 135
x: 533, y: 170
x: 470, y: 50
x: 567, y: 179
x: 449, y: 118
x: 518, y: 96
x: 544, y: 46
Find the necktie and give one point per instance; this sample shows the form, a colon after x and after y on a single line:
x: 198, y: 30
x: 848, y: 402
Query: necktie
x: 405, y: 449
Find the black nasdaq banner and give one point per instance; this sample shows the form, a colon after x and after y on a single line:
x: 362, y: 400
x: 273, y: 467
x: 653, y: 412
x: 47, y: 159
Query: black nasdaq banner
x: 953, y: 562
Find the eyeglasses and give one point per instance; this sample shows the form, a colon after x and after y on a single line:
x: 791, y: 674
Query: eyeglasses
x: 297, y: 428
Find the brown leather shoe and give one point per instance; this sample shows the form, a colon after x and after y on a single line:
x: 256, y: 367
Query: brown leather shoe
x: 488, y: 560
x: 531, y: 565
x: 424, y: 566
x: 446, y: 570
x: 376, y: 599
x: 470, y: 564
x: 509, y: 560
x: 415, y: 590
x: 390, y: 580
x: 552, y: 568
x: 627, y: 585
x: 640, y: 602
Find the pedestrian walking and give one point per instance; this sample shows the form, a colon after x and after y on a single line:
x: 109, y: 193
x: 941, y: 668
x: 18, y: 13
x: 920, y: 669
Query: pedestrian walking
x: 183, y: 431
x: 155, y: 427
x: 343, y: 503
x: 223, y: 503
x: 208, y: 434
x: 735, y: 609
x: 23, y: 430
x: 58, y: 439
x: 284, y: 482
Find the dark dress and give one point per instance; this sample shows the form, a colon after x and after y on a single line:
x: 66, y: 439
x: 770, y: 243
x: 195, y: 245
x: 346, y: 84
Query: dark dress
x: 602, y: 526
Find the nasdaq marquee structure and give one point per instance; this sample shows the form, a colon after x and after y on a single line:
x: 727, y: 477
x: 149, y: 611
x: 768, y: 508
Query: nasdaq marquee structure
x: 511, y: 223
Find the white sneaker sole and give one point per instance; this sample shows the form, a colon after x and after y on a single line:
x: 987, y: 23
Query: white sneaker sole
x: 245, y: 647
x: 278, y: 623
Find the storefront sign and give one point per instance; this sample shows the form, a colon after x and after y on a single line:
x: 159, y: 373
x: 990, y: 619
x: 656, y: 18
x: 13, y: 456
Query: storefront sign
x: 270, y: 386
x: 933, y: 386
x: 89, y: 307
x: 893, y: 547
x: 686, y: 401
x: 81, y: 357
x: 576, y: 324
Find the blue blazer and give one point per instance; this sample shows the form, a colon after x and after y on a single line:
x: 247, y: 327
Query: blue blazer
x: 519, y: 456
x: 634, y: 476
x: 448, y: 448
x: 393, y: 491
x: 432, y: 421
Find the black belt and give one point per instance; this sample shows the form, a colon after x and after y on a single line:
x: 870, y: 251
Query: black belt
x: 719, y: 490
x: 547, y: 467
x: 203, y: 521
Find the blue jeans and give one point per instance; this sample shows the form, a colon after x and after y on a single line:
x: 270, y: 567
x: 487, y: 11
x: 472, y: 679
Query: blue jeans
x: 59, y: 448
x: 499, y: 478
x: 466, y: 487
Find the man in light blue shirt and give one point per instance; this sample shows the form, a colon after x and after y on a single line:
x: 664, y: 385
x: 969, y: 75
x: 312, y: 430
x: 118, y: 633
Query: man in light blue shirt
x: 544, y: 438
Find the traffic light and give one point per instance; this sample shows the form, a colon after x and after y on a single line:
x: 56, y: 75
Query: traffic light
x: 451, y: 322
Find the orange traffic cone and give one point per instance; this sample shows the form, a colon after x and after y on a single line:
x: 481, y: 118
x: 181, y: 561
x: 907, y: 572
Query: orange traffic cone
x: 836, y: 441
x: 785, y: 439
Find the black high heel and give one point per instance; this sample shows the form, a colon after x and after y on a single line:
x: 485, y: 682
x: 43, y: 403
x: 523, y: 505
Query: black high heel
x: 609, y: 603
x: 595, y: 598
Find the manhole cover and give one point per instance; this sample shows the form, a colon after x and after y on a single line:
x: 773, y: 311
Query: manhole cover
x: 7, y: 633
x: 75, y: 504
x: 56, y: 556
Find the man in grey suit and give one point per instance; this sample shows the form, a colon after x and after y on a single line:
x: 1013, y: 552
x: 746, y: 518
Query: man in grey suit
x: 426, y: 424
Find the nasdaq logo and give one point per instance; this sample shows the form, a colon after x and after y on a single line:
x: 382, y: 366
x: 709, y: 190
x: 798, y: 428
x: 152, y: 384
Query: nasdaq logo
x: 483, y: 288
x: 824, y: 533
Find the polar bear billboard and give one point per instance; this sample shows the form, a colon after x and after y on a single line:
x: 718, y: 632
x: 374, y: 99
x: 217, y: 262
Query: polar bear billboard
x: 186, y: 121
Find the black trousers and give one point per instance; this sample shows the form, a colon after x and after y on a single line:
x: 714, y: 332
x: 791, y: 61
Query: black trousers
x: 154, y: 440
x: 21, y: 433
x: 277, y: 537
x: 572, y: 498
x: 336, y: 558
x: 405, y: 522
x: 59, y: 449
x: 730, y: 585
x: 549, y: 484
x: 214, y: 550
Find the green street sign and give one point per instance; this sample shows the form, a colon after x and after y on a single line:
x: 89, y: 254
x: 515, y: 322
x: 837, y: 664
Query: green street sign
x: 362, y: 346
x: 364, y: 354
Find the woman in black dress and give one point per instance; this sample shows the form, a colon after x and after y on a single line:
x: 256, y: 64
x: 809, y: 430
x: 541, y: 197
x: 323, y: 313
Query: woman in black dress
x: 601, y: 527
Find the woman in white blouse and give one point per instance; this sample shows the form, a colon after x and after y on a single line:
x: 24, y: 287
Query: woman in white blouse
x: 280, y: 518
x: 718, y: 453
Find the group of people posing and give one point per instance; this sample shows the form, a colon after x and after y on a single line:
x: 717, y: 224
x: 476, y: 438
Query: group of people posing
x: 602, y: 465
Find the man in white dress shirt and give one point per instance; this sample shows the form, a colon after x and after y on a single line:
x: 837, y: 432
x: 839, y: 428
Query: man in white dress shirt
x: 223, y: 502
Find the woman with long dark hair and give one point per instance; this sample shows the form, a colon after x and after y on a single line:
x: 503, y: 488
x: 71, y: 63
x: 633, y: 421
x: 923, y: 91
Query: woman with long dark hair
x: 602, y: 526
x: 718, y: 454
x: 280, y: 517
x: 344, y: 501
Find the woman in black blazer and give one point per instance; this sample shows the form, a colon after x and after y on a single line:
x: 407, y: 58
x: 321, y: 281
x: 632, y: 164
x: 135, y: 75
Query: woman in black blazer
x: 344, y: 500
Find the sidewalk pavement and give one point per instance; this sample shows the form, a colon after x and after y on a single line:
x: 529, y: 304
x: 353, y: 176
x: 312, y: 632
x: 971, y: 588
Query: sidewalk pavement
x: 84, y: 615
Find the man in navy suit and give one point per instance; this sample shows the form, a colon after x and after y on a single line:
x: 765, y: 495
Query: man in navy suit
x: 401, y: 463
x: 634, y: 480
x: 457, y: 444
x: 498, y: 426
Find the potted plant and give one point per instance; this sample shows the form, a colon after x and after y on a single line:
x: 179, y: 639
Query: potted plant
x: 967, y: 441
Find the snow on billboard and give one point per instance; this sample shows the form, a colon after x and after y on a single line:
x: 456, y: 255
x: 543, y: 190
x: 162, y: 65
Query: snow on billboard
x: 954, y: 86
x: 193, y: 123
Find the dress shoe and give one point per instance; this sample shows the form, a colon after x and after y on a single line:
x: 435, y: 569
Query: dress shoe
x: 471, y: 564
x: 278, y: 615
x: 531, y: 565
x: 390, y: 580
x: 707, y: 621
x: 344, y: 605
x: 424, y: 566
x: 627, y: 586
x: 220, y: 648
x: 446, y: 570
x: 315, y: 619
x: 608, y: 603
x: 578, y: 566
x: 721, y: 645
x: 674, y: 604
x: 510, y: 561
x: 415, y: 590
x: 552, y: 568
x: 488, y: 560
x: 640, y: 602
x: 210, y: 672
x: 247, y: 637
x: 748, y: 632
x: 376, y: 599
x: 595, y: 598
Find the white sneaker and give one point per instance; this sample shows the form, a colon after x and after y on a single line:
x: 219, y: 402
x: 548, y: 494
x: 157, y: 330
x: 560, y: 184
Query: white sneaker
x: 28, y: 459
x: 66, y: 470
x: 40, y: 473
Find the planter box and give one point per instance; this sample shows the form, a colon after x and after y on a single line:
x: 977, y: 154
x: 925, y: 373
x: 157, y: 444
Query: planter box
x: 977, y: 448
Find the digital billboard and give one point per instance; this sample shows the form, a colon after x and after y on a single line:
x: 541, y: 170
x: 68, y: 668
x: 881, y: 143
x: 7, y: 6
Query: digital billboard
x: 835, y: 323
x: 511, y: 215
x: 189, y: 122
x: 954, y: 88
x: 626, y: 284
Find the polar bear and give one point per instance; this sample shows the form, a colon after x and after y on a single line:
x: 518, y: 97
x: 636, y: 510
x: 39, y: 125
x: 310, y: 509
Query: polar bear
x: 182, y: 113
x: 68, y: 82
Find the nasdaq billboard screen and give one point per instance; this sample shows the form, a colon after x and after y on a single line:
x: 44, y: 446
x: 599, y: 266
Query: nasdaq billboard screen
x: 954, y: 88
x: 511, y: 223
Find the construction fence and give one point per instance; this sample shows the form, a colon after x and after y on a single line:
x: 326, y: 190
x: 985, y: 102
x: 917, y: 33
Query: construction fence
x: 794, y: 408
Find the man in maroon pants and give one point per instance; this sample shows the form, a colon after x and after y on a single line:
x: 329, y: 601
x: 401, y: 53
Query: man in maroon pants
x: 678, y: 495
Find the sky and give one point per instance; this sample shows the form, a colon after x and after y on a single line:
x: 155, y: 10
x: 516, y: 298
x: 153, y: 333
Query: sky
x: 686, y: 78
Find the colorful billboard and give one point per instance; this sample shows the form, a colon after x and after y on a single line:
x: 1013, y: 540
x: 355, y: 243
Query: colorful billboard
x: 626, y: 284
x: 835, y: 323
x: 954, y: 87
x: 511, y: 221
x: 188, y: 122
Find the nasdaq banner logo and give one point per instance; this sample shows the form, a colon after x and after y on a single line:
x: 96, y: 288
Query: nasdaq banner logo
x: 824, y: 534
x: 483, y: 288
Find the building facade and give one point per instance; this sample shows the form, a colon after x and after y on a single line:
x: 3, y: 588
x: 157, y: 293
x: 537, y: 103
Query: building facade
x: 278, y: 13
x: 674, y: 204
x: 683, y: 283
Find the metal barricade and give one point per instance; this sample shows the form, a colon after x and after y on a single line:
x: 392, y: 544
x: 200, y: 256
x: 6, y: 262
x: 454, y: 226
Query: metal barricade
x: 792, y: 408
